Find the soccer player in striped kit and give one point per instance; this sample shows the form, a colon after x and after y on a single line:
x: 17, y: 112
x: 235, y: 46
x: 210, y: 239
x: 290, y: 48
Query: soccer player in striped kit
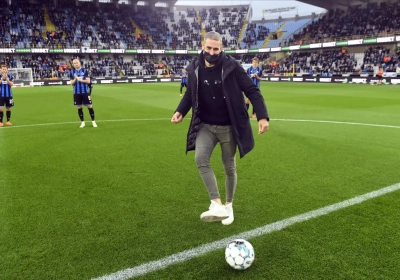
x: 255, y: 74
x: 6, y: 97
x: 80, y: 81
x: 183, y: 75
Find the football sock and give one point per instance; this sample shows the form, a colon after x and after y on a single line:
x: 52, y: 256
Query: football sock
x: 91, y: 112
x: 80, y: 113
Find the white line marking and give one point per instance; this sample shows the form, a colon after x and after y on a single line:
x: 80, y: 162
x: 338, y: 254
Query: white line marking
x: 165, y: 119
x: 206, y: 248
x: 97, y: 121
x: 277, y: 226
x: 337, y: 122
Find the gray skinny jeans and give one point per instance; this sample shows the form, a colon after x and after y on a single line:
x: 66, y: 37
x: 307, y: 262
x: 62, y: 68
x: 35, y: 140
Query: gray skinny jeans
x: 207, y: 138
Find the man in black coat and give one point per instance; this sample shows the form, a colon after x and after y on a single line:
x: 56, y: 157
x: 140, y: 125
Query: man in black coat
x: 214, y: 93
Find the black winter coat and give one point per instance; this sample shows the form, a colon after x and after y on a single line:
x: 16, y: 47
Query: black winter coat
x: 234, y: 82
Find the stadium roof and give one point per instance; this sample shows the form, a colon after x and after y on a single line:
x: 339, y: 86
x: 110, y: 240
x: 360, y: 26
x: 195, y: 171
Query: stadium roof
x: 170, y: 3
x: 318, y: 3
x: 334, y: 3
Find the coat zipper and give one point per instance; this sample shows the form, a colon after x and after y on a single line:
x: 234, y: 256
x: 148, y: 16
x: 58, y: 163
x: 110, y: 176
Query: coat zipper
x: 196, y: 72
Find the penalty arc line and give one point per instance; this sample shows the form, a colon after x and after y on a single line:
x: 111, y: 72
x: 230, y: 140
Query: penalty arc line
x: 209, y: 247
x: 165, y: 119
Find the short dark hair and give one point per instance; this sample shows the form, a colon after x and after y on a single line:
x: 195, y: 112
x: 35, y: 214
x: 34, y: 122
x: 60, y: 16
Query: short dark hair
x: 212, y: 35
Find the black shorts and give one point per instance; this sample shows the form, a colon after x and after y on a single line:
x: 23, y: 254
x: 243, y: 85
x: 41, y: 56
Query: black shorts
x: 7, y: 102
x: 183, y: 84
x: 379, y: 77
x: 82, y: 99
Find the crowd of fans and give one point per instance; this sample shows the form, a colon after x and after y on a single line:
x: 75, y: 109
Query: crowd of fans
x: 333, y: 61
x: 255, y: 33
x: 338, y: 61
x: 375, y: 20
x: 65, y: 24
x: 329, y: 62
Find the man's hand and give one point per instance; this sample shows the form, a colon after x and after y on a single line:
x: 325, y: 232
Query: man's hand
x: 263, y: 126
x: 177, y: 117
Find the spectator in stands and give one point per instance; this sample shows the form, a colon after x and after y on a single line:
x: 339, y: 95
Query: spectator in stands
x: 380, y: 75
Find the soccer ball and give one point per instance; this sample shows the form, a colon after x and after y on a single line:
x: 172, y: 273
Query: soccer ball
x: 239, y: 254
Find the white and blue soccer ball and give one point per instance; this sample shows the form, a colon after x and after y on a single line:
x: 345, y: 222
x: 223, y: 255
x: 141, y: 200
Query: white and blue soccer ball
x: 239, y: 254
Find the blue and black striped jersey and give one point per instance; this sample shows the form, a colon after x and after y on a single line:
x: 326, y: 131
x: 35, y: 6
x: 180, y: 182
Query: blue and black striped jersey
x: 79, y: 87
x: 184, y: 79
x: 252, y: 71
x: 5, y: 90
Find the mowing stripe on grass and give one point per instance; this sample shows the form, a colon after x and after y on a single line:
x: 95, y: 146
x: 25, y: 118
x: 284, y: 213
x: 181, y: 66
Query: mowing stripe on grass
x: 207, y: 248
x: 165, y: 119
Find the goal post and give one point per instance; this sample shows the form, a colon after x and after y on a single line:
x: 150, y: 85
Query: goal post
x: 22, y: 77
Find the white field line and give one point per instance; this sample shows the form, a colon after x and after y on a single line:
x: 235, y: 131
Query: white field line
x: 219, y: 244
x: 166, y: 119
x: 206, y: 248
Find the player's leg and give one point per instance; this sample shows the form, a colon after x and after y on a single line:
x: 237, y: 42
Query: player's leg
x: 89, y: 104
x: 78, y: 103
x: 81, y: 117
x: 253, y: 113
x: 9, y: 105
x: 8, y: 114
x: 1, y: 111
x: 205, y: 144
x: 228, y: 148
x: 1, y: 116
x: 186, y: 86
x: 180, y: 89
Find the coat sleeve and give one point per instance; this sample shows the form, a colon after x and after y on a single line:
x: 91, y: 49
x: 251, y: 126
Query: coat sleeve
x: 186, y: 102
x: 253, y: 93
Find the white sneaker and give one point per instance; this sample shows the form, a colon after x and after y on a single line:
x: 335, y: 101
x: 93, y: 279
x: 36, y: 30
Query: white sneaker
x: 230, y: 219
x: 82, y: 125
x: 216, y: 213
x: 94, y: 124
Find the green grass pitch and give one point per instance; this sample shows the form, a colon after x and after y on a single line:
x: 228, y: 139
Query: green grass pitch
x: 83, y: 203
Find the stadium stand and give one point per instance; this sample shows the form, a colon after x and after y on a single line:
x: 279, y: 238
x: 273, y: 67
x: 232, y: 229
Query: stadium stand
x: 375, y: 20
x: 63, y: 24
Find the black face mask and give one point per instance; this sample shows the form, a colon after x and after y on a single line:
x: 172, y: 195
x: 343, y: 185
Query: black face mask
x: 212, y: 59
